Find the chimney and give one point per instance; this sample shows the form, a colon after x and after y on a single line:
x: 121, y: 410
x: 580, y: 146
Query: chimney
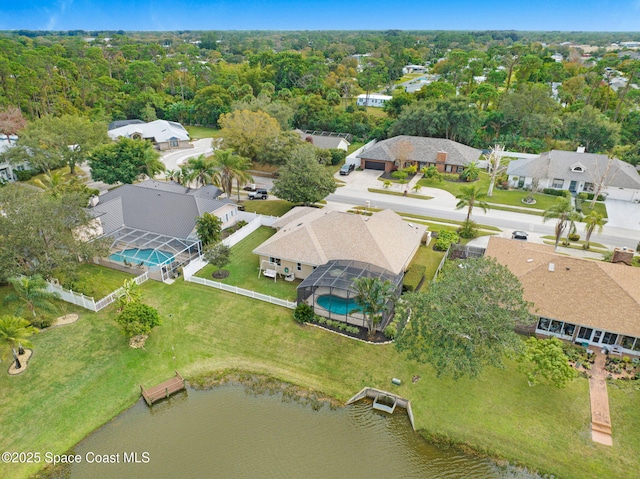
x: 622, y: 255
x: 441, y: 157
x: 580, y: 149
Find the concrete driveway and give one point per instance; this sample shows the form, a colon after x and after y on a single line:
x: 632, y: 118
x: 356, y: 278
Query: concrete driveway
x: 623, y: 214
x: 174, y: 159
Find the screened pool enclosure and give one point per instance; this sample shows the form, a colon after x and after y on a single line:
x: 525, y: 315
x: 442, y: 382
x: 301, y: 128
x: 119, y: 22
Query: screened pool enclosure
x: 133, y: 249
x: 329, y: 290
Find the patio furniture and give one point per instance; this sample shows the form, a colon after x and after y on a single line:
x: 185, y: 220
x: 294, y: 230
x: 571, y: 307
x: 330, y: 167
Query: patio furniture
x: 616, y: 350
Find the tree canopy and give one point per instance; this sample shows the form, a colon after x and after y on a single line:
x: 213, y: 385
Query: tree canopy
x: 124, y: 161
x: 302, y: 179
x: 465, y: 321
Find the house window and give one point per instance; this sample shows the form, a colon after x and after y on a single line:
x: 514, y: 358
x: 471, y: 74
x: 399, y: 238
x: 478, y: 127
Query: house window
x: 609, y: 338
x: 557, y: 183
x: 275, y: 260
x: 299, y: 267
x: 588, y: 187
x: 543, y: 324
x: 173, y: 142
x: 568, y: 329
x: 460, y: 169
x: 447, y: 168
x: 627, y: 342
x: 585, y: 333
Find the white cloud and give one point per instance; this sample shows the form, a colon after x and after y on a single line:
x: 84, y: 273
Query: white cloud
x: 61, y: 9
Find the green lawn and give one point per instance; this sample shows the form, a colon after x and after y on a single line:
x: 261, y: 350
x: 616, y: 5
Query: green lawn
x: 84, y: 374
x: 268, y: 207
x: 98, y: 281
x: 397, y: 193
x: 245, y: 265
x: 428, y: 258
x: 504, y: 197
x: 199, y: 132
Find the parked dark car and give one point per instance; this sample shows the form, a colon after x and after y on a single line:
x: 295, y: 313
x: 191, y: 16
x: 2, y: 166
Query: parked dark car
x: 347, y: 168
x: 519, y: 235
x: 259, y: 194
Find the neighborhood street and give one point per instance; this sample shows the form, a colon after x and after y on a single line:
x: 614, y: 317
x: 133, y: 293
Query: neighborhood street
x: 355, y: 192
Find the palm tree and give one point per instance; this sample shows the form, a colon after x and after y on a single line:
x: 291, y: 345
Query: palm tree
x: 471, y: 172
x: 199, y: 169
x: 52, y: 182
x: 592, y: 221
x: 14, y: 331
x: 373, y: 296
x: 30, y: 292
x: 230, y: 166
x: 469, y: 197
x: 152, y: 163
x: 564, y: 212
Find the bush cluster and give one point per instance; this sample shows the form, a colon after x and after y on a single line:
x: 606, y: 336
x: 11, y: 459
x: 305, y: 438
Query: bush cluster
x: 445, y: 239
x: 554, y: 192
x: 339, y: 325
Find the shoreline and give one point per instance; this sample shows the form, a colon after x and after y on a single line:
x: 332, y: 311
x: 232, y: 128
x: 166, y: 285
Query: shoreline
x: 261, y: 383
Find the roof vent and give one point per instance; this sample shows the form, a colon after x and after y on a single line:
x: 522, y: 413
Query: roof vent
x: 530, y: 260
x: 410, y: 225
x: 552, y: 267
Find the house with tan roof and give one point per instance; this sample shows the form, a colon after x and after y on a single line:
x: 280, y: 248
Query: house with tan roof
x: 310, y: 237
x: 575, y: 299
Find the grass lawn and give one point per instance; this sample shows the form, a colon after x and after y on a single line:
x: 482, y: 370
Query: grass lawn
x: 98, y: 281
x: 397, y: 193
x: 199, y: 132
x: 84, y: 374
x: 599, y: 207
x: 244, y: 269
x: 428, y: 258
x: 502, y: 197
x: 268, y: 207
x: 354, y: 146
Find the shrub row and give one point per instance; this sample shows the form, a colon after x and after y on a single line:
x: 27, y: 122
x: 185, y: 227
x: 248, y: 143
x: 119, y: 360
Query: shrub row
x: 394, y: 328
x: 413, y: 276
x: 339, y: 325
x: 554, y: 192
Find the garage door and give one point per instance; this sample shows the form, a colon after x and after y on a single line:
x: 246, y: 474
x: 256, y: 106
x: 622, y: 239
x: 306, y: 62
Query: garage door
x: 374, y: 165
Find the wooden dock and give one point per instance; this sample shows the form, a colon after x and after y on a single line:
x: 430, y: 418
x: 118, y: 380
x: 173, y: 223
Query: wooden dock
x: 163, y: 390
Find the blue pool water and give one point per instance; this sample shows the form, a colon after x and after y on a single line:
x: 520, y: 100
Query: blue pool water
x: 336, y: 304
x: 148, y: 257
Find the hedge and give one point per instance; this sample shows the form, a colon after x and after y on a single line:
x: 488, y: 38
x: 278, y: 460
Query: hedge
x: 413, y: 276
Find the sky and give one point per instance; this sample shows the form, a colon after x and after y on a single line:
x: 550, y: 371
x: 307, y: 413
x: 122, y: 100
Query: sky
x: 166, y: 15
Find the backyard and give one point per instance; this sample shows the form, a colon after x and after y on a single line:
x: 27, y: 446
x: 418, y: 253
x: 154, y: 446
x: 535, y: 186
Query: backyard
x: 268, y: 207
x: 84, y: 374
x: 243, y: 270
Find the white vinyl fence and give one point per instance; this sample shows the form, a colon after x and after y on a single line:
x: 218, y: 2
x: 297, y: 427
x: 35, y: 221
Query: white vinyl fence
x: 242, y: 291
x: 88, y: 302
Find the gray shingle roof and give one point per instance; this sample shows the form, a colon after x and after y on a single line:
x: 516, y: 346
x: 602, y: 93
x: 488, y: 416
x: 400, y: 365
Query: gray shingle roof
x: 153, y: 209
x: 559, y: 163
x: 424, y: 149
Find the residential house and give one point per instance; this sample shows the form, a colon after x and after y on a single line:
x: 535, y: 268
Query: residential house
x: 310, y: 237
x: 325, y: 139
x: 373, y: 99
x: 165, y: 135
x: 577, y: 172
x: 153, y: 223
x: 8, y: 170
x: 401, y: 151
x: 576, y: 299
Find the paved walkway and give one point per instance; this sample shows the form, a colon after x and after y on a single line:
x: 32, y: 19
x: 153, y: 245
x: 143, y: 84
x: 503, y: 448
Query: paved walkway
x: 600, y: 418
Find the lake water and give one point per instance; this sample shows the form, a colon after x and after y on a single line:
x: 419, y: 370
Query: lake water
x: 231, y: 432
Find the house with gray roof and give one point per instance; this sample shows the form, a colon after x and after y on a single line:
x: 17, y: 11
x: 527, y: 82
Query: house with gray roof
x: 325, y: 140
x: 153, y: 224
x: 165, y: 135
x: 447, y: 156
x: 577, y: 172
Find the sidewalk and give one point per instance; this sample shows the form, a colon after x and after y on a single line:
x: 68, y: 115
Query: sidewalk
x: 600, y: 417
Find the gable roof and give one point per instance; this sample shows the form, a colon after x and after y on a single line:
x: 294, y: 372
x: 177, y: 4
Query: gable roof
x: 559, y: 163
x: 159, y: 131
x: 581, y: 291
x: 154, y: 209
x: 424, y: 149
x: 315, y: 236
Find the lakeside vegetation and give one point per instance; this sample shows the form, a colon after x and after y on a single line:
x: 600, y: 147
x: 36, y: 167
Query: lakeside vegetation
x: 84, y: 374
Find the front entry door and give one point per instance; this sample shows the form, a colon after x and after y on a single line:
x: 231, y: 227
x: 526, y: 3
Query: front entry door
x: 572, y: 186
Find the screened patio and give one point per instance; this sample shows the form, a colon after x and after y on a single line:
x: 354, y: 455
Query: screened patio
x: 132, y: 249
x: 329, y: 290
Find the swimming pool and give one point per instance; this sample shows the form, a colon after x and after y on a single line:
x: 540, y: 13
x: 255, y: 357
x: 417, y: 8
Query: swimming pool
x: 337, y: 305
x: 135, y: 256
